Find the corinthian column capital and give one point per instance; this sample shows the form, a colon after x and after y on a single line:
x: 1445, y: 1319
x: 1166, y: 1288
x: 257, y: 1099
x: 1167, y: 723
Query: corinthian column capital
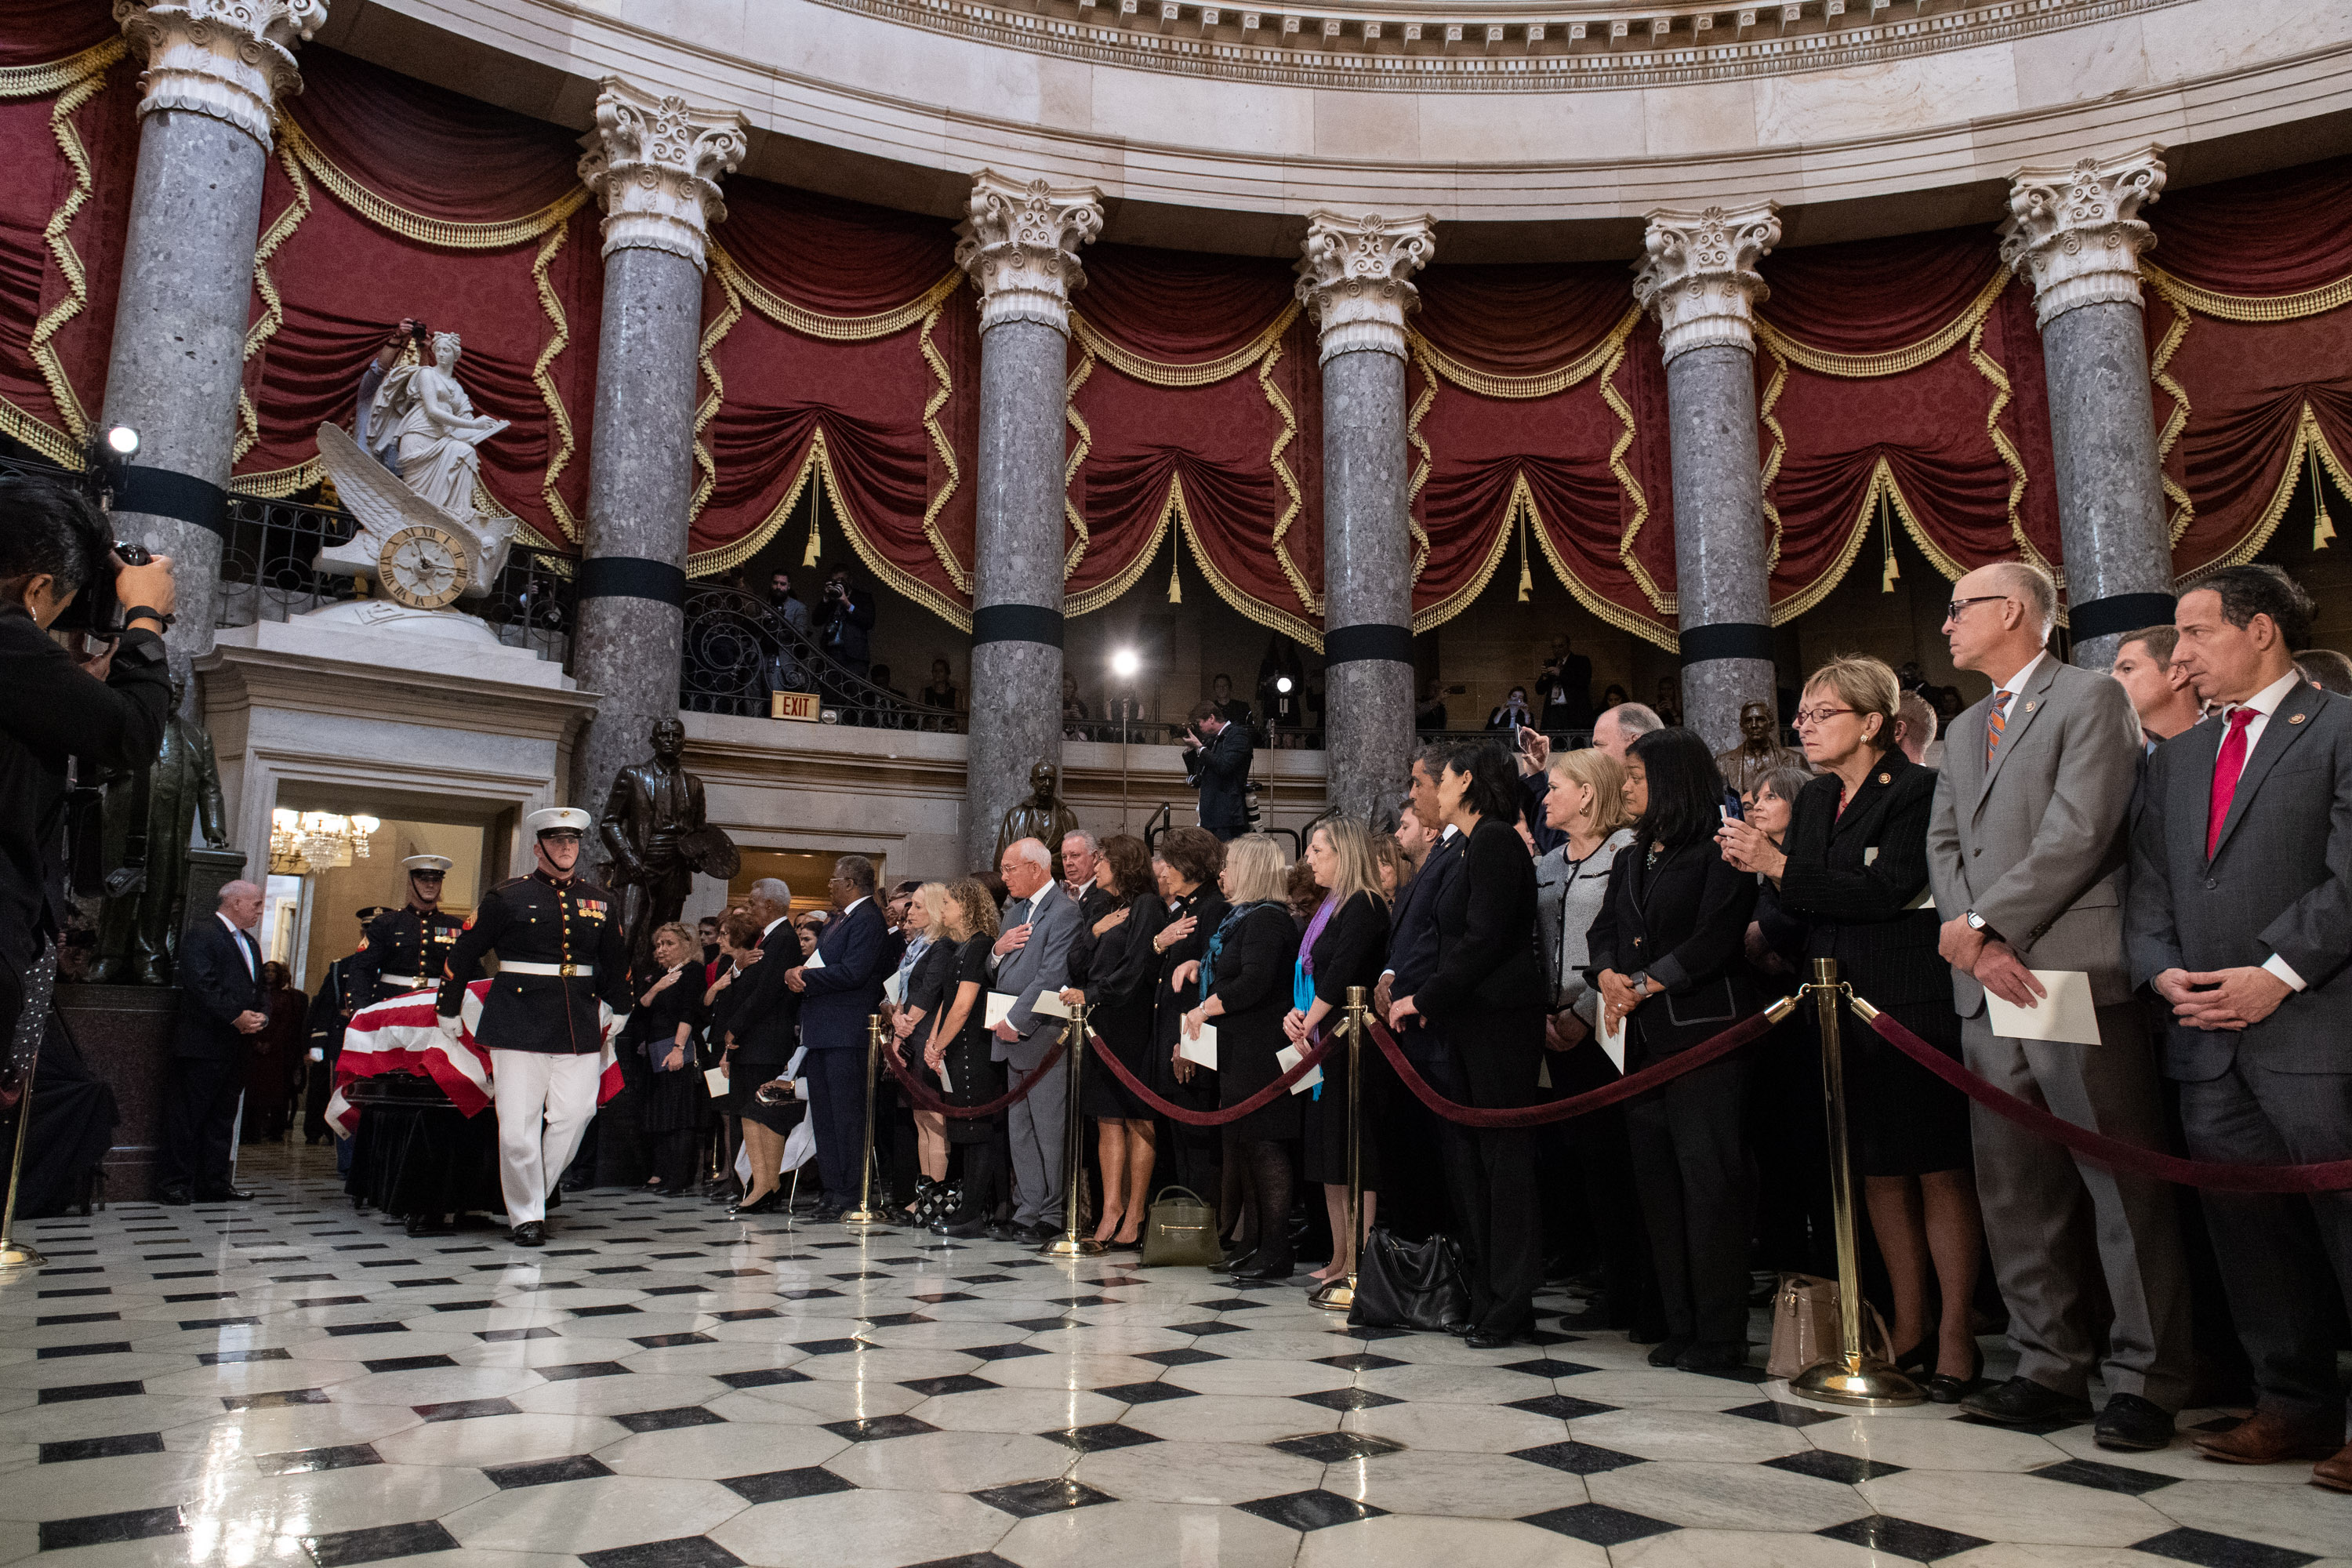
x: 654, y: 165
x: 1355, y: 278
x: 1697, y: 275
x: 230, y: 59
x: 1020, y: 243
x: 2076, y: 231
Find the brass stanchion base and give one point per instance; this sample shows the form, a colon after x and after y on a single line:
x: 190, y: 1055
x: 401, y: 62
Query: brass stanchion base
x: 16, y: 1255
x: 866, y: 1219
x: 1864, y: 1380
x: 1338, y: 1296
x: 1068, y: 1245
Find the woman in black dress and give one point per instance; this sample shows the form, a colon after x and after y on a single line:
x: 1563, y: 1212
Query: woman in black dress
x: 928, y: 979
x: 662, y: 1029
x: 1346, y: 944
x: 1112, y: 969
x: 1666, y: 953
x: 1185, y: 861
x: 957, y: 1049
x: 1492, y: 998
x: 1852, y: 871
x: 1243, y: 979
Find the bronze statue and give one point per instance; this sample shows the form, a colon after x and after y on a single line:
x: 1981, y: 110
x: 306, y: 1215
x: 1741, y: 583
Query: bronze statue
x: 1759, y: 750
x: 1044, y: 817
x: 146, y: 822
x: 655, y: 834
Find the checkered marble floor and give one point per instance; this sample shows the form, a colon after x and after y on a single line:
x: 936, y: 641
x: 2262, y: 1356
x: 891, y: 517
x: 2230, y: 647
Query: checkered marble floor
x: 283, y: 1381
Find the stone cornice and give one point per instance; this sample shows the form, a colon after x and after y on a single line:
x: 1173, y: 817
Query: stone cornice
x: 1019, y: 244
x: 231, y: 60
x: 1698, y: 275
x: 1355, y: 278
x: 2076, y: 231
x: 655, y: 161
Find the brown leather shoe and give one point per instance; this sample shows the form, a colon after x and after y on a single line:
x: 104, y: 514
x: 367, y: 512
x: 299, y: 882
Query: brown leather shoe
x: 2336, y: 1473
x: 2266, y: 1438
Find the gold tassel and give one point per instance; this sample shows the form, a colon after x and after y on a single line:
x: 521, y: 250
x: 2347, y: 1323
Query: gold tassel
x: 1888, y: 578
x: 2323, y: 528
x: 1526, y: 578
x: 811, y: 558
x: 1175, y: 559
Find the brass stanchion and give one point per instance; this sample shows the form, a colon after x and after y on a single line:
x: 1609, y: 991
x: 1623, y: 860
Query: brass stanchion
x: 866, y: 1216
x: 13, y: 1254
x: 1070, y: 1243
x: 1340, y: 1295
x: 1853, y: 1376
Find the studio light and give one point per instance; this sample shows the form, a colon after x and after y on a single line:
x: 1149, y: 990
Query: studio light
x: 123, y: 441
x: 1282, y: 684
x: 1125, y: 664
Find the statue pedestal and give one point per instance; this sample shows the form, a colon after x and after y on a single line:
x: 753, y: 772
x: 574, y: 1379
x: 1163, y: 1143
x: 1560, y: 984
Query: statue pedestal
x: 125, y: 1035
x: 209, y: 870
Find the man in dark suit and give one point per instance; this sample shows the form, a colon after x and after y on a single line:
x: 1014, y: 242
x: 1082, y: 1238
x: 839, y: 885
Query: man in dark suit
x: 845, y: 621
x: 839, y: 990
x: 220, y: 1009
x: 1217, y: 763
x: 1412, y: 958
x: 2240, y: 917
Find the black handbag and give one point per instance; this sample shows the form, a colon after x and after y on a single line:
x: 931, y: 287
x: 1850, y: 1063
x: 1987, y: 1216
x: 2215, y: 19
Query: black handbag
x: 1404, y: 1284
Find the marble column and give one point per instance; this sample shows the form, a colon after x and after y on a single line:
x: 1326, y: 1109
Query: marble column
x: 215, y: 73
x: 1698, y: 277
x: 2076, y: 234
x: 654, y: 165
x: 1355, y: 278
x: 1019, y: 244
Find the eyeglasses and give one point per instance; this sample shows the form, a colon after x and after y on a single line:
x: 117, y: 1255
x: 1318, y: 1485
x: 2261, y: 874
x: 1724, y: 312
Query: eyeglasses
x: 1958, y: 607
x: 1809, y: 717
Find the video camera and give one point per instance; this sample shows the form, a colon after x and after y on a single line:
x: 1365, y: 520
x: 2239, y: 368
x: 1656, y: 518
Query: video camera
x: 95, y: 610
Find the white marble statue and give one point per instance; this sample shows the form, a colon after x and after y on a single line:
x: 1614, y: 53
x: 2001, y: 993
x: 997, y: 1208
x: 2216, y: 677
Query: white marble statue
x: 423, y: 408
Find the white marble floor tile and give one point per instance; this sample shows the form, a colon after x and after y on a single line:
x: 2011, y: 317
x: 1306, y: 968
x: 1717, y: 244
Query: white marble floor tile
x: 1230, y: 1418
x: 1729, y: 1497
x: 1467, y: 1486
x: 1195, y: 1474
x: 1760, y: 1549
x: 863, y: 1530
x: 1136, y: 1534
x: 2047, y: 1512
x: 2300, y: 1518
x: 951, y: 1461
x: 1417, y: 1541
x: 592, y: 1515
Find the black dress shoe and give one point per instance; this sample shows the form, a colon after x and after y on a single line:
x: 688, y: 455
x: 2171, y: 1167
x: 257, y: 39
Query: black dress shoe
x: 1270, y: 1273
x: 1649, y: 1333
x: 768, y: 1202
x: 2022, y: 1402
x: 429, y: 1225
x: 2133, y: 1424
x: 824, y: 1214
x: 1670, y: 1350
x: 224, y: 1196
x: 1480, y: 1340
x: 175, y: 1196
x: 1037, y: 1233
x: 1713, y: 1355
x: 530, y: 1232
x: 1946, y: 1389
x: 964, y: 1227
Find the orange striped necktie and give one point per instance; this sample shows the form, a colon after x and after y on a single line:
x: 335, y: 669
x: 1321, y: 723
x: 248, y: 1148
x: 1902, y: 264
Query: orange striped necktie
x: 1996, y: 721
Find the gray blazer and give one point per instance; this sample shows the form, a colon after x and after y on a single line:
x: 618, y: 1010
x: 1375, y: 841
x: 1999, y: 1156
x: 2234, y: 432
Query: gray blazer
x: 1567, y: 897
x: 2036, y: 845
x: 1043, y: 965
x: 2281, y: 882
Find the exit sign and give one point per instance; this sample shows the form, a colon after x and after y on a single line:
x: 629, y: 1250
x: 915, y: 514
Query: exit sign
x: 801, y: 705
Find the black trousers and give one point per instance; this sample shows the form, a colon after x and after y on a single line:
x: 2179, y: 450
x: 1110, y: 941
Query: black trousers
x: 836, y: 1086
x: 1690, y: 1161
x: 200, y: 1124
x: 1491, y: 1170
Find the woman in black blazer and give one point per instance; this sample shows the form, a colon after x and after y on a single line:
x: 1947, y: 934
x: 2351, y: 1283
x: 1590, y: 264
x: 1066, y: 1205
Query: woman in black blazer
x: 956, y: 1046
x: 1853, y: 869
x: 1185, y: 863
x: 1112, y: 969
x: 1666, y: 954
x: 1346, y: 944
x: 1491, y: 997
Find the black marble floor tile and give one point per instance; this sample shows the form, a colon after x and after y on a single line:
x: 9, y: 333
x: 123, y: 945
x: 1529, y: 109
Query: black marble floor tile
x: 687, y: 1552
x: 1097, y: 1439
x: 1347, y: 1399
x: 780, y: 1486
x: 1599, y: 1523
x: 1901, y: 1537
x: 353, y: 1546
x: 1310, y: 1511
x: 2207, y: 1550
x: 1144, y: 1392
x: 105, y: 1529
x: 1027, y: 1500
x: 1826, y: 1466
x: 1336, y: 1447
x: 546, y: 1472
x: 1577, y: 1459
x: 669, y: 1420
x: 303, y: 1462
x: 75, y: 1448
x: 874, y: 1428
x: 2110, y: 1478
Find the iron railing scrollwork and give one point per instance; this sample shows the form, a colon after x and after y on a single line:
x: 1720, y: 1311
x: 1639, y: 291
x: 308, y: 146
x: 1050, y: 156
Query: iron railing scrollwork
x: 741, y: 651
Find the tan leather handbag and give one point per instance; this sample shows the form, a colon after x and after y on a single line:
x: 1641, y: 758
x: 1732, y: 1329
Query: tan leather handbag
x: 1805, y: 1330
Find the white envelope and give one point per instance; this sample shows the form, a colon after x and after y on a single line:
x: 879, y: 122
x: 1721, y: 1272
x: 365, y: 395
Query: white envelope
x: 1202, y: 1050
x: 1050, y: 1004
x: 1287, y: 1058
x: 2067, y: 1015
x: 1000, y: 1007
x: 813, y: 960
x: 890, y: 988
x: 1613, y: 1041
x: 715, y: 1080
x: 947, y: 1084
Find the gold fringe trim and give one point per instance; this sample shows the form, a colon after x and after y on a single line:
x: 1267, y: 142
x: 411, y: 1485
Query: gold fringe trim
x: 1275, y: 460
x: 2184, y: 510
x: 1617, y: 615
x: 559, y: 419
x: 1894, y: 362
x: 45, y: 439
x: 273, y: 308
x: 1102, y: 594
x: 707, y: 409
x: 1169, y: 372
x: 1542, y: 383
x: 1882, y: 482
x: 2250, y: 307
x: 1081, y: 537
x: 443, y: 234
x: 1998, y: 377
x: 955, y: 569
x: 817, y: 324
x: 1453, y: 604
x: 1419, y: 442
x: 81, y: 78
x: 1264, y: 615
x: 2309, y: 442
x: 1663, y: 602
x: 38, y: 81
x: 1771, y: 469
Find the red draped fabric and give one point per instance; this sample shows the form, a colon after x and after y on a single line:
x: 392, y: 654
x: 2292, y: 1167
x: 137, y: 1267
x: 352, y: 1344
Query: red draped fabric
x: 1538, y: 400
x: 70, y: 136
x: 1195, y: 405
x: 388, y: 198
x: 839, y: 345
x: 2249, y: 344
x: 1902, y: 386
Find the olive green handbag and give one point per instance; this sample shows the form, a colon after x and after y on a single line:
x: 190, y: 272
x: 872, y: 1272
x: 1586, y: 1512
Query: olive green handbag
x: 1182, y: 1232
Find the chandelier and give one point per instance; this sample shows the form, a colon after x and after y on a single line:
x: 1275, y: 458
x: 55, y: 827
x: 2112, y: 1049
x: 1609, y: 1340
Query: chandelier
x: 321, y: 839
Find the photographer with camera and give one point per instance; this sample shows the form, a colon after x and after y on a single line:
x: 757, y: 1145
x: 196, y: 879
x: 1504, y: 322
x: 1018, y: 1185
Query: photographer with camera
x: 61, y: 570
x: 1217, y: 763
x: 845, y: 617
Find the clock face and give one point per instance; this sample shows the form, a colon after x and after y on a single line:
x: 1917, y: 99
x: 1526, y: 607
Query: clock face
x: 422, y: 567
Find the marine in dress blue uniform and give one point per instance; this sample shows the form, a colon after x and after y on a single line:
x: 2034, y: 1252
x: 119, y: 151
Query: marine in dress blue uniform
x: 405, y: 949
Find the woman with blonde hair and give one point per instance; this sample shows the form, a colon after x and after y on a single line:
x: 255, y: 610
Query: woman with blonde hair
x: 1242, y: 979
x: 926, y: 987
x: 662, y: 1030
x: 1345, y: 944
x: 957, y: 1048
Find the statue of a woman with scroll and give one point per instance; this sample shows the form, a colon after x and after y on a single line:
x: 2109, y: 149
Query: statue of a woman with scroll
x: 434, y: 424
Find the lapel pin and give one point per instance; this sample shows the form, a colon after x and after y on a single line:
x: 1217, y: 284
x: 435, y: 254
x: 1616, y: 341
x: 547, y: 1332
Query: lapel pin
x: 2029, y: 708
x: 1886, y: 778
x: 2294, y: 717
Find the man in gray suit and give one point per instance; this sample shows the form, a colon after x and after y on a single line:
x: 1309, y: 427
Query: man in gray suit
x: 2026, y: 853
x: 2241, y: 919
x: 1034, y: 955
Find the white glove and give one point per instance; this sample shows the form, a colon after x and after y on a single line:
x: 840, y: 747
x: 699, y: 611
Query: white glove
x: 317, y: 1055
x: 620, y: 1022
x: 452, y: 1026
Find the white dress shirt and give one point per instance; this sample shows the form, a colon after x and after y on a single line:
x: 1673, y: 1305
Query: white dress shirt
x: 245, y: 947
x: 2006, y: 692
x: 2264, y: 703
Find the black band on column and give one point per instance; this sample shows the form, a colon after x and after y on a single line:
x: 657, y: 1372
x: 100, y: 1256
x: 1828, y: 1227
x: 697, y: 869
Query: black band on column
x: 1727, y: 639
x: 2118, y: 613
x: 1016, y: 623
x: 1368, y: 640
x: 160, y: 492
x: 630, y: 577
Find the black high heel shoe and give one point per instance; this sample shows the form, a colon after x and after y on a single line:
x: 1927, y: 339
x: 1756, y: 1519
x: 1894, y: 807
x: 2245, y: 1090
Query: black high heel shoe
x: 1946, y: 1389
x: 1920, y: 1357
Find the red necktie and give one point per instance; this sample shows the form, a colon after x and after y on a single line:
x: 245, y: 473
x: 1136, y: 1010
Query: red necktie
x: 2226, y: 768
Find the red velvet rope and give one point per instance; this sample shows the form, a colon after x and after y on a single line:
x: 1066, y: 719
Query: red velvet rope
x: 2327, y: 1177
x: 1626, y: 1088
x: 1257, y: 1101
x: 925, y: 1100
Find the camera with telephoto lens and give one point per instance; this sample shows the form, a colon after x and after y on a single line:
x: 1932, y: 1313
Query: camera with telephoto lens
x: 422, y: 335
x: 95, y: 609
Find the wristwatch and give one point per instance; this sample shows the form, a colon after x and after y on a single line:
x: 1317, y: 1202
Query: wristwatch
x: 1977, y: 922
x: 1640, y: 981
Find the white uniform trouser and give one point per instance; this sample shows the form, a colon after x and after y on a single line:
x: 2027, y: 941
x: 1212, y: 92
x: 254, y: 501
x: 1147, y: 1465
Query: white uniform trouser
x: 544, y: 1102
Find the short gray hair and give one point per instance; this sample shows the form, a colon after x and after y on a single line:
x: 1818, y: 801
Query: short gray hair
x: 1035, y: 852
x: 1634, y: 719
x: 2034, y: 587
x: 858, y: 871
x: 1083, y: 836
x: 771, y: 892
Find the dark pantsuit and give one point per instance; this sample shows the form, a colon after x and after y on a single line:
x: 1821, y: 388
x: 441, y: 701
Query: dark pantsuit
x: 1491, y: 1170
x: 200, y: 1123
x: 1690, y: 1162
x: 2048, y: 1211
x: 836, y: 1090
x: 2287, y: 1308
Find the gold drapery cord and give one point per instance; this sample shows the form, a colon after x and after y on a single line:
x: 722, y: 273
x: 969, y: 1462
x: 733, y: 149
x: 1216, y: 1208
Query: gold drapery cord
x: 729, y: 312
x: 1079, y: 535
x: 1173, y: 373
x: 2248, y: 307
x: 54, y: 76
x: 2309, y: 445
x: 1770, y: 473
x: 1541, y: 383
x: 1893, y: 362
x: 442, y: 234
x: 1294, y: 501
x: 1616, y: 614
x: 818, y: 323
x: 2184, y: 510
x: 273, y: 308
x: 957, y: 573
x: 1426, y: 464
x: 559, y: 418
x: 1264, y: 614
x: 1127, y: 576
